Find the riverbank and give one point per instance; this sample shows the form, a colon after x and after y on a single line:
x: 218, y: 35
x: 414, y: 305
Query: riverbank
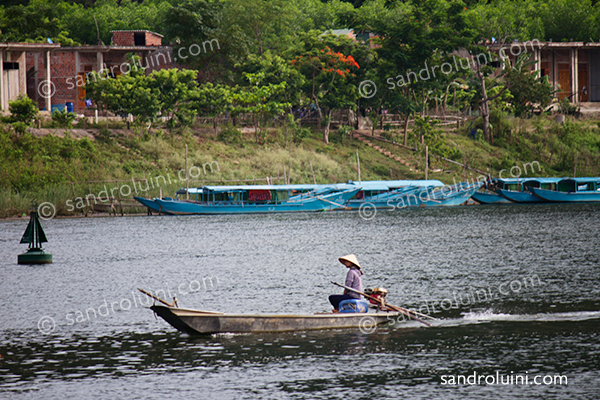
x: 67, y: 168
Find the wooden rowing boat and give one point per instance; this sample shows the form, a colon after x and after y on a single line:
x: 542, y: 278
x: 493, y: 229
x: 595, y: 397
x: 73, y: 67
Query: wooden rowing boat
x: 207, y: 322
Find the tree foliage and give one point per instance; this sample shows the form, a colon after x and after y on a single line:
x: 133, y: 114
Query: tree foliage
x: 261, y: 57
x: 165, y: 93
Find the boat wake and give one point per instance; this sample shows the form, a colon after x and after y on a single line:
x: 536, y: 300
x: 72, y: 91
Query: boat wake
x: 489, y: 315
x: 485, y: 316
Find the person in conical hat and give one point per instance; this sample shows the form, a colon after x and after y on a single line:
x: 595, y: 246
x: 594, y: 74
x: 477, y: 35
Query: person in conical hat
x: 353, y: 280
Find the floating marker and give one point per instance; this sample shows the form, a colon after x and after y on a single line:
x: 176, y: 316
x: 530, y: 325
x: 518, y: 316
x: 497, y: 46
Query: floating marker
x: 34, y: 236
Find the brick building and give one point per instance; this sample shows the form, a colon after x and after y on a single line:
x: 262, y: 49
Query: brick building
x: 572, y: 68
x: 70, y: 67
x: 14, y: 68
x: 136, y: 38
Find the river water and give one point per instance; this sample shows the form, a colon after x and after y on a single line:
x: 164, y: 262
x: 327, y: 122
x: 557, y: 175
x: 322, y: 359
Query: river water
x: 515, y: 288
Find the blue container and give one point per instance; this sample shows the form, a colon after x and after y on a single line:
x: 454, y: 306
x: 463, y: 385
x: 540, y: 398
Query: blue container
x: 69, y: 107
x: 57, y: 107
x: 354, y: 306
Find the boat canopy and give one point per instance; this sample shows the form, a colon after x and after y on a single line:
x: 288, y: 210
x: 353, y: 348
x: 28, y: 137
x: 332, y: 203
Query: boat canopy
x: 260, y: 187
x: 520, y: 184
x: 373, y: 186
x: 241, y: 188
x: 582, y: 180
x: 591, y: 184
x: 513, y: 180
x: 364, y: 185
x: 537, y: 179
x: 397, y: 184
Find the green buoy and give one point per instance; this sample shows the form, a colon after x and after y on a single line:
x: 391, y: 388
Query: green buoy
x: 34, y: 236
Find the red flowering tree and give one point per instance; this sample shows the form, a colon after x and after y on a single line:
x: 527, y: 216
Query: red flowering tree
x: 330, y: 83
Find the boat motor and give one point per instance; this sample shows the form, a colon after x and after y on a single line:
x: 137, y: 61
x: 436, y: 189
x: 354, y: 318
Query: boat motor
x: 377, y: 293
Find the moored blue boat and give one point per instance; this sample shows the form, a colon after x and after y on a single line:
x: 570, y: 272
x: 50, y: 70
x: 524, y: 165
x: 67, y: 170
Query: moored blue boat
x: 453, y: 195
x: 572, y: 190
x: 519, y: 192
x: 258, y: 199
x: 487, y: 194
x: 381, y: 194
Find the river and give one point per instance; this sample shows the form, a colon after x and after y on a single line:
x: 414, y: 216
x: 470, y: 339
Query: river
x: 516, y: 290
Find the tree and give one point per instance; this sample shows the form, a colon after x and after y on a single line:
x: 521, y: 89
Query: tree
x: 20, y: 23
x: 212, y: 100
x: 173, y: 90
x: 204, y: 40
x: 165, y: 92
x: 275, y: 69
x: 258, y: 100
x: 264, y: 24
x: 329, y: 76
x: 528, y: 89
x: 506, y: 21
x: 484, y: 102
x: 569, y: 20
x: 126, y: 94
x: 414, y: 38
x: 93, y: 25
x: 427, y: 131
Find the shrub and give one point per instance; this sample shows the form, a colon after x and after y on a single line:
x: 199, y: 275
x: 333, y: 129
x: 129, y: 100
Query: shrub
x: 63, y: 119
x: 344, y: 132
x: 300, y: 134
x: 20, y: 127
x: 388, y: 135
x: 499, y: 123
x: 230, y: 135
x: 22, y: 110
x: 506, y: 163
x: 566, y: 108
x: 103, y: 135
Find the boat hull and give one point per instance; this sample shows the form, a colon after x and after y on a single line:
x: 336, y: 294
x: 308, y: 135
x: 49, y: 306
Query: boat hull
x: 489, y: 198
x: 519, y: 197
x: 196, y: 322
x: 151, y: 204
x: 566, y: 197
x: 322, y: 203
x: 451, y: 200
x: 448, y: 196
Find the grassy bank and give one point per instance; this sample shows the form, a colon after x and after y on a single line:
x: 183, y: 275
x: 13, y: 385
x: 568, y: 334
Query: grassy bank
x: 61, y: 169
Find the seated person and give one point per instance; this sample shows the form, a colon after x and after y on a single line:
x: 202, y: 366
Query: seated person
x: 353, y: 280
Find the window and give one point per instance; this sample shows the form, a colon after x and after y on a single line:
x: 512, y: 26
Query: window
x: 11, y: 65
x: 139, y: 38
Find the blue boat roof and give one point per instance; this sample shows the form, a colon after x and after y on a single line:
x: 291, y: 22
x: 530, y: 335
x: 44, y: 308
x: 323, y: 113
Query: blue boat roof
x: 261, y: 187
x: 241, y: 188
x: 582, y: 180
x: 521, y: 180
x: 364, y: 185
x: 546, y: 180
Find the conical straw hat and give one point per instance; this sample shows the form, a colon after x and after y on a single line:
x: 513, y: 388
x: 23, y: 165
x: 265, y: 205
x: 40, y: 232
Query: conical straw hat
x: 351, y: 258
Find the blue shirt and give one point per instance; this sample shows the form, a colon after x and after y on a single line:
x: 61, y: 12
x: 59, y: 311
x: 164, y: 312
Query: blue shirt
x: 353, y: 281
